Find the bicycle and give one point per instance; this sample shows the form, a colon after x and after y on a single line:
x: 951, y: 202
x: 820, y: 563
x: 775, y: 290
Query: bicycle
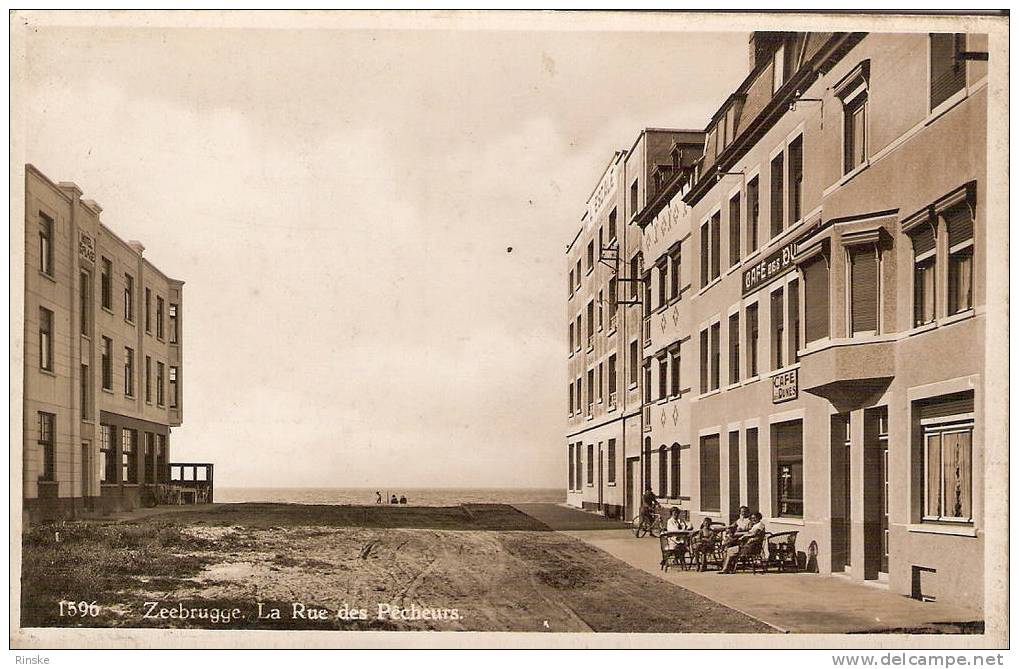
x: 643, y: 525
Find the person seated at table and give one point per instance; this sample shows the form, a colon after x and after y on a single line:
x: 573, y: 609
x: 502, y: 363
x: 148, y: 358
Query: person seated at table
x: 703, y: 542
x: 674, y: 529
x: 742, y: 523
x: 749, y: 542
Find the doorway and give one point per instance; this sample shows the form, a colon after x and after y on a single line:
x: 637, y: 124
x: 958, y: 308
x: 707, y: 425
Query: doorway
x: 633, y: 492
x: 841, y: 493
x: 875, y: 493
x: 601, y: 478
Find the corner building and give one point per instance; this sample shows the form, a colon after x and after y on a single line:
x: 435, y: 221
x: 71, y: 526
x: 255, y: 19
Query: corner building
x: 822, y: 360
x: 102, y: 361
x: 607, y: 293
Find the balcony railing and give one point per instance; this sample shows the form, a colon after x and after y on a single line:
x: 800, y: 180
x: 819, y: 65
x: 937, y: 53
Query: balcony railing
x: 612, y: 401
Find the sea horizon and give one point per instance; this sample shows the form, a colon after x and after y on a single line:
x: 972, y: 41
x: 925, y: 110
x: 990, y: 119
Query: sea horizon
x: 415, y: 496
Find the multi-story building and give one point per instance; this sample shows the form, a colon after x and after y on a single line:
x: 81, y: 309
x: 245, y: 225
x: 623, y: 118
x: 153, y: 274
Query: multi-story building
x: 606, y: 294
x: 102, y: 360
x: 813, y: 340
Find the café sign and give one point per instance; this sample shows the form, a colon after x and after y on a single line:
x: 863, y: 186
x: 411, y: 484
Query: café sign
x: 785, y: 386
x: 86, y: 247
x: 769, y: 269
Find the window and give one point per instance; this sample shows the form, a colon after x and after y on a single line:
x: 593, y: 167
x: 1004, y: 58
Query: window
x: 705, y: 253
x: 45, y: 244
x: 863, y: 286
x: 734, y: 230
x: 571, y: 398
x: 716, y: 242
x: 601, y: 310
x: 590, y: 464
x: 777, y: 329
x: 107, y: 455
x: 148, y: 310
x: 634, y: 273
x: 173, y: 387
x: 159, y: 317
x: 704, y: 361
x: 734, y: 348
x: 601, y: 241
x: 674, y: 371
x: 45, y: 339
x: 716, y: 357
x: 571, y: 338
x: 613, y: 302
x: 663, y: 471
x: 590, y: 324
x: 150, y: 458
x: 948, y: 71
x: 161, y: 458
x: 129, y: 455
x: 674, y: 490
x: 663, y: 282
x: 633, y: 197
x: 601, y: 381
x: 796, y: 179
x: 612, y: 461
x: 107, y: 363
x: 85, y: 392
x: 753, y: 367
x: 148, y: 379
x: 612, y: 226
x: 570, y: 462
x: 47, y: 455
x: 947, y: 433
x: 634, y: 362
x: 647, y: 462
x: 959, y: 220
x: 711, y: 498
x: 159, y: 384
x: 753, y: 214
x: 753, y: 473
x: 128, y: 297
x: 793, y: 301
x: 590, y: 256
x: 612, y: 380
x: 854, y: 132
x: 580, y: 398
x: 578, y: 273
x: 106, y: 287
x: 815, y: 297
x: 128, y: 371
x: 663, y: 376
x: 675, y: 257
x: 84, y: 302
x: 777, y: 193
x: 579, y: 330
x: 570, y: 284
x: 647, y: 380
x: 579, y: 464
x: 924, y: 271
x: 787, y: 446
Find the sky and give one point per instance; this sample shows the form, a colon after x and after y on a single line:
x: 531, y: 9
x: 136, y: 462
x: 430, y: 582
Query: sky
x: 340, y: 204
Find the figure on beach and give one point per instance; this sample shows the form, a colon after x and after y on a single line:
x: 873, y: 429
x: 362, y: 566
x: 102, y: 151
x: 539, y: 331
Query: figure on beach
x: 378, y: 497
x: 393, y: 500
x: 403, y: 499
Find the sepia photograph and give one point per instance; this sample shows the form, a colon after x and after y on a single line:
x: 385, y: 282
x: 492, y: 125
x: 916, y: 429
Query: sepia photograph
x: 292, y: 367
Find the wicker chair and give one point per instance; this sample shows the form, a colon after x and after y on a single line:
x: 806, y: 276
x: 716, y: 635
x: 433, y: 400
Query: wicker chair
x: 673, y: 556
x: 782, y: 550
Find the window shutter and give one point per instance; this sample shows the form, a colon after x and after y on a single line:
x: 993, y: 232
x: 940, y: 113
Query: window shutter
x: 948, y: 75
x: 815, y: 295
x: 960, y: 224
x: 864, y: 268
x: 949, y: 405
x: 710, y: 464
x: 923, y: 240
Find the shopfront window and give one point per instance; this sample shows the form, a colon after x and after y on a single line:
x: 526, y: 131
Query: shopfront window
x: 787, y: 453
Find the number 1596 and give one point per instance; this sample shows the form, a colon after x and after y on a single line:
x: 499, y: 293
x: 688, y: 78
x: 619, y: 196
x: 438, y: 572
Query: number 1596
x: 81, y: 609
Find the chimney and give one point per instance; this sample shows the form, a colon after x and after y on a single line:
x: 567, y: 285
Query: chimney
x: 138, y: 247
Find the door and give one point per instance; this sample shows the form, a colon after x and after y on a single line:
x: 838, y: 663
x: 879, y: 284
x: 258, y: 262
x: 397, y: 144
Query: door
x: 883, y: 445
x: 875, y: 493
x: 633, y: 491
x: 86, y: 469
x: 841, y: 493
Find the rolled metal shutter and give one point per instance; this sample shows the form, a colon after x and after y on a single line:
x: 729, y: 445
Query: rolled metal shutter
x: 863, y: 305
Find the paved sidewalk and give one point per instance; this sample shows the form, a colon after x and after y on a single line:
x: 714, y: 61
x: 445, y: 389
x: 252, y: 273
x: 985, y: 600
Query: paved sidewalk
x: 804, y: 603
x: 562, y: 517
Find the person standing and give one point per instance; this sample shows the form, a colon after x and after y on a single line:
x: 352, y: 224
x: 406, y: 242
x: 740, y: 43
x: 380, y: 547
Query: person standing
x: 378, y: 497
